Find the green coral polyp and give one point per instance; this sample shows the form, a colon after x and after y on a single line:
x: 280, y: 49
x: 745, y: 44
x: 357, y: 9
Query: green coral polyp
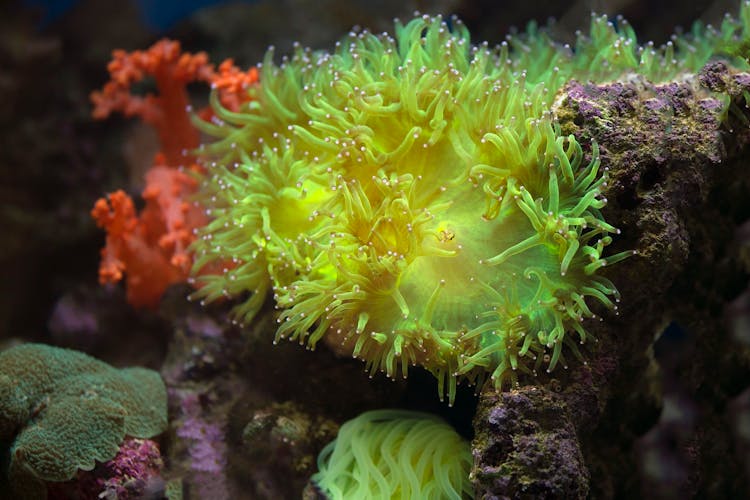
x: 411, y: 201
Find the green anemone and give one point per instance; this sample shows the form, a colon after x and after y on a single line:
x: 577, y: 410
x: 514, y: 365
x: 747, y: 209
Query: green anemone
x: 410, y: 200
x: 395, y: 454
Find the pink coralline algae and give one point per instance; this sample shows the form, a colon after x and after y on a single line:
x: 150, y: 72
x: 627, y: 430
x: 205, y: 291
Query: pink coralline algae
x: 206, y: 447
x: 134, y: 473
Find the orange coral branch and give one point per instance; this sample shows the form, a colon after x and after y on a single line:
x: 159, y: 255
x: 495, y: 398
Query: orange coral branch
x: 168, y: 111
x: 233, y: 84
x: 153, y: 247
x: 130, y: 246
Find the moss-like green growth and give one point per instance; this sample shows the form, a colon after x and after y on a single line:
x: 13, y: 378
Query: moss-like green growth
x: 411, y: 200
x: 62, y: 411
x: 395, y: 454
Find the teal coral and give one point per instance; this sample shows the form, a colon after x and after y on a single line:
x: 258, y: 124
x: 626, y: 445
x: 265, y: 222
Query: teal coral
x: 411, y: 200
x: 62, y: 411
x: 395, y: 454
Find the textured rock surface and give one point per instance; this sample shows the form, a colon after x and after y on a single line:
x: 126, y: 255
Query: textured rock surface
x: 236, y: 433
x: 526, y: 446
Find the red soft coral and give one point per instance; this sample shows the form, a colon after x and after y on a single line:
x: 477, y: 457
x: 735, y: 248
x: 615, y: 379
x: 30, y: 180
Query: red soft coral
x: 152, y: 248
x: 168, y: 111
x: 233, y: 84
x: 132, y: 245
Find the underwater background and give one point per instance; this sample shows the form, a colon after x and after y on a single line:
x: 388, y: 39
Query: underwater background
x: 659, y: 407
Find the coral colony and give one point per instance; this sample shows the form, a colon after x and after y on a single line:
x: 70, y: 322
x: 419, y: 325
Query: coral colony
x: 407, y: 199
x: 62, y: 410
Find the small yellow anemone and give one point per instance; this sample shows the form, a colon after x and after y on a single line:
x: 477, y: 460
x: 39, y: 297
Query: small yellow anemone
x: 410, y: 201
x: 395, y: 454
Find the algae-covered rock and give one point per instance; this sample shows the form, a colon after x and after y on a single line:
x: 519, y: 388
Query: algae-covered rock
x: 62, y: 411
